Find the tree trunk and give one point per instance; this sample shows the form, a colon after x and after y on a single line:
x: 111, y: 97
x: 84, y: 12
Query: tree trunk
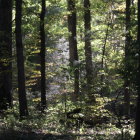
x: 42, y: 54
x: 127, y: 60
x: 88, y: 51
x: 20, y: 61
x: 5, y: 54
x: 73, y: 51
x: 137, y: 125
x: 103, y: 59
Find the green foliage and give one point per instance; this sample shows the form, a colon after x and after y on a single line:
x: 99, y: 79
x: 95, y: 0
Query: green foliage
x: 98, y: 122
x: 108, y: 79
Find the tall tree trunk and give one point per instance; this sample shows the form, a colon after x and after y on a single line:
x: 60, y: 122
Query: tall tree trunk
x: 73, y: 51
x: 42, y: 54
x: 127, y: 59
x: 103, y: 58
x: 20, y: 61
x: 5, y: 53
x: 88, y: 51
x: 137, y: 125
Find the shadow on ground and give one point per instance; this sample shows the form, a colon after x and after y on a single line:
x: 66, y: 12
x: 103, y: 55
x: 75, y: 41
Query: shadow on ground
x: 17, y: 135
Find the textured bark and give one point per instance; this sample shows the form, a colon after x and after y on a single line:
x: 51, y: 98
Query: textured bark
x: 20, y: 61
x: 137, y: 127
x: 88, y: 51
x: 127, y: 59
x: 5, y: 54
x: 42, y: 55
x: 73, y: 52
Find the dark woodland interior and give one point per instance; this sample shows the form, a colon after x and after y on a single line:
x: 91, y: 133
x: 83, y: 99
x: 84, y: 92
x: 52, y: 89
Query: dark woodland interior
x: 69, y: 69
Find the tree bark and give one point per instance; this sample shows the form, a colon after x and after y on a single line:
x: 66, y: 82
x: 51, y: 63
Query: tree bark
x: 127, y: 59
x: 88, y: 51
x: 20, y: 61
x: 5, y: 54
x: 137, y: 122
x: 73, y: 51
x: 42, y: 55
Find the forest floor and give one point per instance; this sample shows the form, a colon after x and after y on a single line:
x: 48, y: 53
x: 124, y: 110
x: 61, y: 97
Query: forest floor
x: 85, y: 121
x: 20, y: 135
x: 17, y: 135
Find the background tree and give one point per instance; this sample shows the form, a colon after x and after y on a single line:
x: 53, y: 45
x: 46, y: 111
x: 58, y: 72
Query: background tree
x: 20, y: 61
x: 42, y: 55
x: 73, y: 51
x: 137, y: 125
x: 127, y: 58
x: 88, y: 51
x: 5, y: 53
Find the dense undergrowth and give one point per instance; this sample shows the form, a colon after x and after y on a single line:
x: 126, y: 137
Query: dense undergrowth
x: 80, y: 119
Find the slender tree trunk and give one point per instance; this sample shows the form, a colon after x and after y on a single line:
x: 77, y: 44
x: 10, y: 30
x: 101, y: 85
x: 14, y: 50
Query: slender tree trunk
x: 5, y: 53
x: 137, y: 125
x: 20, y: 61
x: 88, y: 51
x: 127, y: 60
x: 104, y: 49
x: 42, y: 54
x: 103, y: 59
x: 72, y: 21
